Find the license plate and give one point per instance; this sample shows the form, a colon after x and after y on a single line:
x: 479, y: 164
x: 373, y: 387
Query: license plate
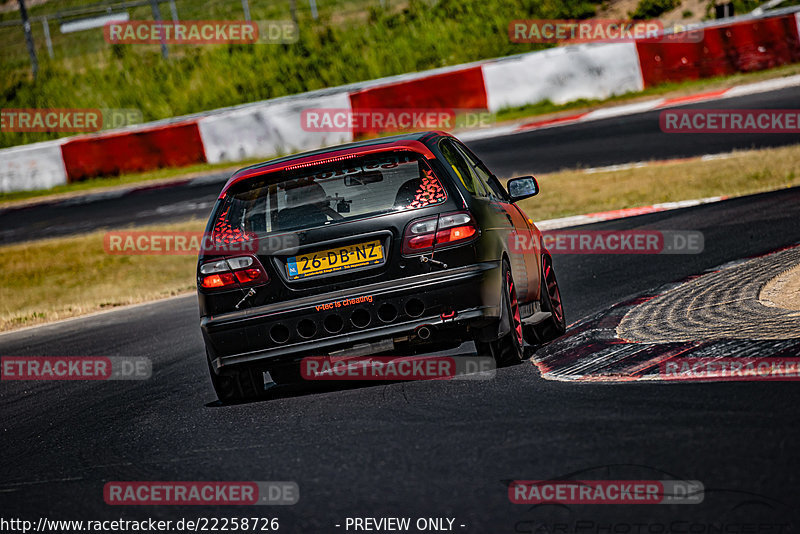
x: 335, y: 259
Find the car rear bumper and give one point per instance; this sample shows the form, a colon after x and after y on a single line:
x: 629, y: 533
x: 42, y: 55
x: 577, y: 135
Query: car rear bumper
x: 386, y: 311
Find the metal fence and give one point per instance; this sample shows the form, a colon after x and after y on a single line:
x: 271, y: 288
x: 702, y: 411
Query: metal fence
x: 75, y: 34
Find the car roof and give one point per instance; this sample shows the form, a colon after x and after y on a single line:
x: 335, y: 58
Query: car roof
x: 417, y: 142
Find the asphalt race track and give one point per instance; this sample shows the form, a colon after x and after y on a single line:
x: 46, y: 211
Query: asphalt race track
x: 427, y: 449
x: 592, y: 144
x: 422, y: 449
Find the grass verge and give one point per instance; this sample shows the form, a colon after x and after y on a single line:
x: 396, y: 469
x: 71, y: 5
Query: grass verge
x: 65, y: 277
x: 34, y: 288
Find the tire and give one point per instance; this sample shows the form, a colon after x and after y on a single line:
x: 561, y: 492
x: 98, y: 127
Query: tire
x: 236, y: 385
x: 555, y: 325
x: 508, y: 349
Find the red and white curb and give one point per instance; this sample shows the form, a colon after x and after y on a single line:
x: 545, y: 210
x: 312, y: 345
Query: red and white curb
x: 632, y: 109
x: 576, y: 220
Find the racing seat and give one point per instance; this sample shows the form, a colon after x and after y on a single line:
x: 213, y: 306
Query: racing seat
x: 309, y: 205
x: 408, y: 191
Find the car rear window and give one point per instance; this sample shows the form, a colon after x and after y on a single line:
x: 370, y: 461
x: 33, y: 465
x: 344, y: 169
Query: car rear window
x: 331, y: 192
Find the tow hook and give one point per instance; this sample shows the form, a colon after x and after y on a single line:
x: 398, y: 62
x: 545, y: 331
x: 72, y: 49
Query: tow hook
x: 425, y: 259
x: 247, y: 296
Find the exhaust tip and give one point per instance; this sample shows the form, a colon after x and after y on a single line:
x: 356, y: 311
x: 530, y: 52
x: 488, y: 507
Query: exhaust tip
x: 424, y: 332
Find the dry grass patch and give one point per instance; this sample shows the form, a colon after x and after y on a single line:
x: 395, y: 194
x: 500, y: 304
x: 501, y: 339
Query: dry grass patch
x: 745, y: 172
x: 43, y: 281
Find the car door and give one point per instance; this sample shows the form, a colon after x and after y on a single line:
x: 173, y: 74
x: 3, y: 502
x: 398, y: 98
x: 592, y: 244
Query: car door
x: 493, y: 218
x: 525, y: 265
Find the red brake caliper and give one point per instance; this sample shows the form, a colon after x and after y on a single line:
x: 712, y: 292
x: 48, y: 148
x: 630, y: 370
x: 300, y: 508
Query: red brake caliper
x: 512, y: 294
x: 552, y: 290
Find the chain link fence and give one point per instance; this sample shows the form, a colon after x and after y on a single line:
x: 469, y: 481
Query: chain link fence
x: 75, y: 33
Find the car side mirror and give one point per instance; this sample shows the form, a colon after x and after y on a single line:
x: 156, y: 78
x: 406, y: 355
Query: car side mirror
x: 522, y: 187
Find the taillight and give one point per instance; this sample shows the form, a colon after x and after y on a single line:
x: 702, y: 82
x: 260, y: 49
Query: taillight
x: 231, y: 273
x: 217, y: 280
x: 452, y: 228
x: 452, y: 235
x: 248, y: 275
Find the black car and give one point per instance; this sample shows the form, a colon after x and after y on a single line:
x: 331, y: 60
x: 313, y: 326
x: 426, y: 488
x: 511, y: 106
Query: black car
x: 398, y: 245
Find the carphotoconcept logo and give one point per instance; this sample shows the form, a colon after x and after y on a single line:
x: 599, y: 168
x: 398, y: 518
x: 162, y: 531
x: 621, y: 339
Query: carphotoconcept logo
x: 70, y: 120
x: 201, y: 493
x: 381, y: 120
x: 730, y: 121
x: 75, y: 368
x: 600, y: 30
x: 195, y: 32
x: 397, y: 368
x: 610, y: 242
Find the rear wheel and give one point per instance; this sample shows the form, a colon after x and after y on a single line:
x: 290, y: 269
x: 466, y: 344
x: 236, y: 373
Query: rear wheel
x: 237, y: 384
x: 507, y: 350
x: 555, y: 325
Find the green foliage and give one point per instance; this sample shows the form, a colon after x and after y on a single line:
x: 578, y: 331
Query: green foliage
x: 648, y: 9
x: 331, y: 51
